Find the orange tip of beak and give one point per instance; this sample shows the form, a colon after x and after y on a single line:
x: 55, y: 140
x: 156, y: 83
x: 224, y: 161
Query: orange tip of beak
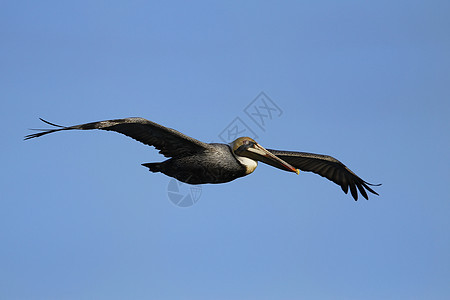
x: 297, y: 171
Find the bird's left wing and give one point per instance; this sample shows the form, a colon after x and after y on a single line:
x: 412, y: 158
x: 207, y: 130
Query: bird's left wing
x: 170, y: 142
x: 328, y: 167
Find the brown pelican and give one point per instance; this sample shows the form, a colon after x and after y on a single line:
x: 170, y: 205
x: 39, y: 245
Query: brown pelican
x: 195, y: 162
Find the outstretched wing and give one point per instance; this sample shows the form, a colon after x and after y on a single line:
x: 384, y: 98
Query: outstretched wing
x: 328, y: 167
x: 170, y: 142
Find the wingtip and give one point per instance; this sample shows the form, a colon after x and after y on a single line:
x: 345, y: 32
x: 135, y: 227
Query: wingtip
x: 44, y: 131
x: 373, y: 184
x: 50, y: 123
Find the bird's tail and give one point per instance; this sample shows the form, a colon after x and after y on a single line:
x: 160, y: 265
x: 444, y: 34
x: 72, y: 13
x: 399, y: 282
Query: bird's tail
x: 153, y: 167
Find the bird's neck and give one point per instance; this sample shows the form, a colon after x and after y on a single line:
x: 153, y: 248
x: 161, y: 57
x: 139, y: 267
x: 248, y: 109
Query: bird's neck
x: 249, y: 164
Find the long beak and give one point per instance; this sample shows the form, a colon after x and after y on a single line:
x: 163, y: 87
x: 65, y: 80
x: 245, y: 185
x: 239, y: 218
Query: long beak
x: 261, y: 154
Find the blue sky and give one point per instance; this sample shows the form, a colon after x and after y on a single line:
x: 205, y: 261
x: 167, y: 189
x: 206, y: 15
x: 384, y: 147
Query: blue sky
x: 365, y: 82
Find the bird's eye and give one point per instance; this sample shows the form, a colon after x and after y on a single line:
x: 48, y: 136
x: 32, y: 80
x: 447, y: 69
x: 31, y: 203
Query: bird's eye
x: 248, y: 143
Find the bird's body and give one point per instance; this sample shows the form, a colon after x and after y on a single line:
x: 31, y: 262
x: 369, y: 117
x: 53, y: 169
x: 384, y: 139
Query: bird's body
x: 216, y: 164
x: 192, y: 161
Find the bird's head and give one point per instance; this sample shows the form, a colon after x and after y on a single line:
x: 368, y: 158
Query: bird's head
x: 249, y: 152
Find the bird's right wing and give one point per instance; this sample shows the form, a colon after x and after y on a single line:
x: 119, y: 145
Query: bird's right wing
x: 170, y: 142
x: 328, y: 167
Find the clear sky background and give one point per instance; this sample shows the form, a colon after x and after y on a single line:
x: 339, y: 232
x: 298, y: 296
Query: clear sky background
x: 365, y: 82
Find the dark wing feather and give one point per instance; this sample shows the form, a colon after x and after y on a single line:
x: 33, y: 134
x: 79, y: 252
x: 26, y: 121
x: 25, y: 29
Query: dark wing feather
x: 328, y: 167
x: 170, y: 142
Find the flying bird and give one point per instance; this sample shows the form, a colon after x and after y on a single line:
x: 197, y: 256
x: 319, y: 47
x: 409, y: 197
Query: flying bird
x: 194, y: 162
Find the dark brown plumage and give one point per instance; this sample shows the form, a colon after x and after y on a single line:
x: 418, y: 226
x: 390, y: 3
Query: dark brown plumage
x: 328, y: 167
x: 195, y: 162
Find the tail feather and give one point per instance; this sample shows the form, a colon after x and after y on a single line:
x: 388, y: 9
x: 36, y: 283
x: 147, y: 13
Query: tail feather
x: 153, y: 167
